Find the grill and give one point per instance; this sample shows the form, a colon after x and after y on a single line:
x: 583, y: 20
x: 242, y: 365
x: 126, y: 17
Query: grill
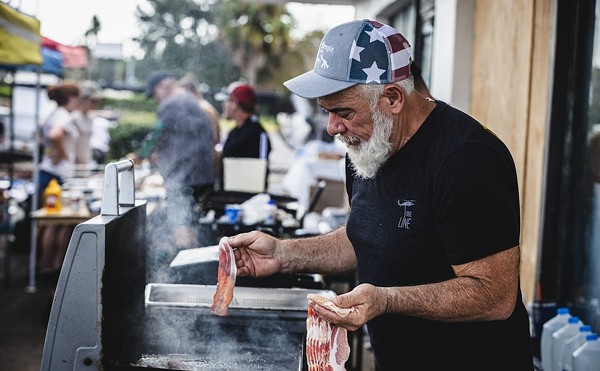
x: 106, y: 317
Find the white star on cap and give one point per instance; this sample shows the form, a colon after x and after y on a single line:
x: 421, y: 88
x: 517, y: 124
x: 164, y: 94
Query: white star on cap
x: 355, y: 51
x: 374, y: 35
x: 373, y: 73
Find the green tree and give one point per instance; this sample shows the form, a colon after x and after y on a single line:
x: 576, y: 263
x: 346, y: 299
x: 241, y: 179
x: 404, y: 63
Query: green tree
x: 94, y: 29
x: 180, y: 36
x: 216, y: 40
x: 256, y: 34
x: 299, y: 58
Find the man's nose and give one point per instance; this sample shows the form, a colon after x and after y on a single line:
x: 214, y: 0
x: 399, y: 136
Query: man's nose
x: 335, y: 125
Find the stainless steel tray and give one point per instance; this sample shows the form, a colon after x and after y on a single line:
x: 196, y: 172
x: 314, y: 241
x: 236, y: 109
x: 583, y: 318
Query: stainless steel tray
x: 201, y: 296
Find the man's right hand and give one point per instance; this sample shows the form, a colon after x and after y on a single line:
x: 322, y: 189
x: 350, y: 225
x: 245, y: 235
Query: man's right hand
x: 256, y: 254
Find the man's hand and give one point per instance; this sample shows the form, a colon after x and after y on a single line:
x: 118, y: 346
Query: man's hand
x: 368, y: 301
x: 256, y: 254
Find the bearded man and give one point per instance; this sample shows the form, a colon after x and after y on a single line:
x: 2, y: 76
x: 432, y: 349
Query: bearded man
x: 433, y: 230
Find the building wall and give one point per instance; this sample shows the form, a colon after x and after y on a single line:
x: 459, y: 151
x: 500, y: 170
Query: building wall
x: 451, y: 68
x: 510, y: 90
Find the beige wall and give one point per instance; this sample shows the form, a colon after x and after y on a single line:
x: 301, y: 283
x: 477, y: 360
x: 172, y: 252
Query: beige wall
x: 510, y: 94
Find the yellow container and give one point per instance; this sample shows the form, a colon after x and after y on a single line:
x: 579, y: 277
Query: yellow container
x: 52, y: 197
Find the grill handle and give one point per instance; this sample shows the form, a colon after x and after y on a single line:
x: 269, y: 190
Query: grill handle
x: 115, y: 194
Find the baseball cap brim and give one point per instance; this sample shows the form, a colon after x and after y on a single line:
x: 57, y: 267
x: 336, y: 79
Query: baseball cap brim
x: 221, y: 96
x: 312, y: 85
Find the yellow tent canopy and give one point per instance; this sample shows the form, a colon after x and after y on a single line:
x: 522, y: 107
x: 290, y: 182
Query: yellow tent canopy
x: 19, y: 37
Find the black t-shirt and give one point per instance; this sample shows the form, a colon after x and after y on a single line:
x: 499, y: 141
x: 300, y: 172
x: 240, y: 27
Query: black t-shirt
x: 448, y: 197
x: 244, y: 141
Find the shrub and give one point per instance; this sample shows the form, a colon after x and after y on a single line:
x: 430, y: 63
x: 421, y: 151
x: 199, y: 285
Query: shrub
x: 129, y: 134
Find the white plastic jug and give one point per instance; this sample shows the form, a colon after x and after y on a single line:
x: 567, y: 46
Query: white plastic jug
x: 572, y: 345
x: 587, y: 357
x: 559, y: 339
x: 553, y: 324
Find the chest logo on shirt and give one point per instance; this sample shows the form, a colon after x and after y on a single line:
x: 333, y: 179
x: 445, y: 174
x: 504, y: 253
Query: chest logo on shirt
x: 406, y: 217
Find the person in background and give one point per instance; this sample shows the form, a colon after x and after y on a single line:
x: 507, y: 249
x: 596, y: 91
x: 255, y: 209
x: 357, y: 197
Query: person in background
x: 248, y: 138
x: 189, y: 83
x: 100, y: 141
x: 433, y: 229
x: 60, y: 136
x: 183, y: 145
x: 84, y: 119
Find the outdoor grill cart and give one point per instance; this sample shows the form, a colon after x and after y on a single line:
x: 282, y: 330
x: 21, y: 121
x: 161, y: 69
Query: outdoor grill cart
x: 106, y: 317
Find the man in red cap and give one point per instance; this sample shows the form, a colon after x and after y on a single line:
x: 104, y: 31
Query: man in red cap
x: 248, y: 139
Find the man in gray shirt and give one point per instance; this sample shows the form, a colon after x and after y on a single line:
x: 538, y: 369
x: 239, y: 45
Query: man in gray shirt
x: 183, y: 147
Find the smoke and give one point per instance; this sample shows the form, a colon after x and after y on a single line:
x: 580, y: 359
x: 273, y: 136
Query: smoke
x: 171, y: 227
x: 201, y: 340
x: 246, y: 339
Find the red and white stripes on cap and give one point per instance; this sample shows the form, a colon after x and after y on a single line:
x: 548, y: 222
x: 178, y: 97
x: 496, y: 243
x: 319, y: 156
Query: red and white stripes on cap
x: 400, y: 50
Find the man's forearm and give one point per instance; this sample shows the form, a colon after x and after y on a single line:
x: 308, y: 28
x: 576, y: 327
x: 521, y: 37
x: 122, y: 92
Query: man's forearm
x: 457, y: 300
x: 485, y: 289
x: 331, y: 254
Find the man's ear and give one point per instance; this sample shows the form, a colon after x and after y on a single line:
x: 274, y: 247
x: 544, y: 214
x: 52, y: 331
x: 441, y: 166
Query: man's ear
x: 394, y: 98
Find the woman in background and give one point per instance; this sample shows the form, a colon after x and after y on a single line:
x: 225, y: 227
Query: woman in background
x: 60, y: 135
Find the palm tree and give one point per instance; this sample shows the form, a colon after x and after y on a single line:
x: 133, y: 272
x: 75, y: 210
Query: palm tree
x: 256, y: 34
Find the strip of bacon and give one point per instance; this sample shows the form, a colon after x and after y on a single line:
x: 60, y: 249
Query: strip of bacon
x: 327, y: 303
x: 327, y: 347
x: 225, y: 279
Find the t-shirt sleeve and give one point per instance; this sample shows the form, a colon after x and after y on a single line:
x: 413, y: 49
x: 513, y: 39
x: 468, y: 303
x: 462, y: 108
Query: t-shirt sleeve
x: 476, y: 203
x: 66, y: 121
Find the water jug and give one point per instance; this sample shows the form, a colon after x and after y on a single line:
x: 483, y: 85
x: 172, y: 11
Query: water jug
x: 572, y: 345
x: 553, y: 324
x: 560, y: 338
x: 587, y: 356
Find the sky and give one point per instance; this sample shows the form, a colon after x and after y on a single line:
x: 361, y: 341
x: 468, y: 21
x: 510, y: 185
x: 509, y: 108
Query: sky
x: 66, y: 21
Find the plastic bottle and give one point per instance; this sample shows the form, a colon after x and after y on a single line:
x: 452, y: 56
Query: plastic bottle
x: 587, y: 356
x: 270, y: 213
x: 559, y: 339
x: 553, y: 324
x: 572, y: 345
x: 52, y: 197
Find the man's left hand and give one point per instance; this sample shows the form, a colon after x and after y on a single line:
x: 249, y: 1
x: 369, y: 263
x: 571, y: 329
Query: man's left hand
x: 368, y: 301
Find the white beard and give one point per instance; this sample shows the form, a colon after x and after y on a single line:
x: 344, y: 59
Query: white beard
x: 368, y: 156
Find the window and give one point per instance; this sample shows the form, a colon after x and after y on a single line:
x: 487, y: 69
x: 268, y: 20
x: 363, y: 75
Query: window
x: 415, y: 20
x: 570, y: 259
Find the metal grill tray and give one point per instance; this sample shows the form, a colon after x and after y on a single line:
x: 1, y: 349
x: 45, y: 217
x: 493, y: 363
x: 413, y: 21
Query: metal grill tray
x: 256, y: 298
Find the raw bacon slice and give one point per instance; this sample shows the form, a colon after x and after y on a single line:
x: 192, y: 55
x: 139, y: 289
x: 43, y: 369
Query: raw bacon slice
x: 327, y: 303
x: 225, y: 279
x: 327, y: 347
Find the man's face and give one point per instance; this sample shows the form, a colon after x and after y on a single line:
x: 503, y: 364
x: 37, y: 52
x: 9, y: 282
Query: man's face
x: 163, y: 89
x: 229, y: 106
x: 365, y: 130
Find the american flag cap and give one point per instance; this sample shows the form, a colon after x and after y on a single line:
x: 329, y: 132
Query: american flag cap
x: 357, y: 52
